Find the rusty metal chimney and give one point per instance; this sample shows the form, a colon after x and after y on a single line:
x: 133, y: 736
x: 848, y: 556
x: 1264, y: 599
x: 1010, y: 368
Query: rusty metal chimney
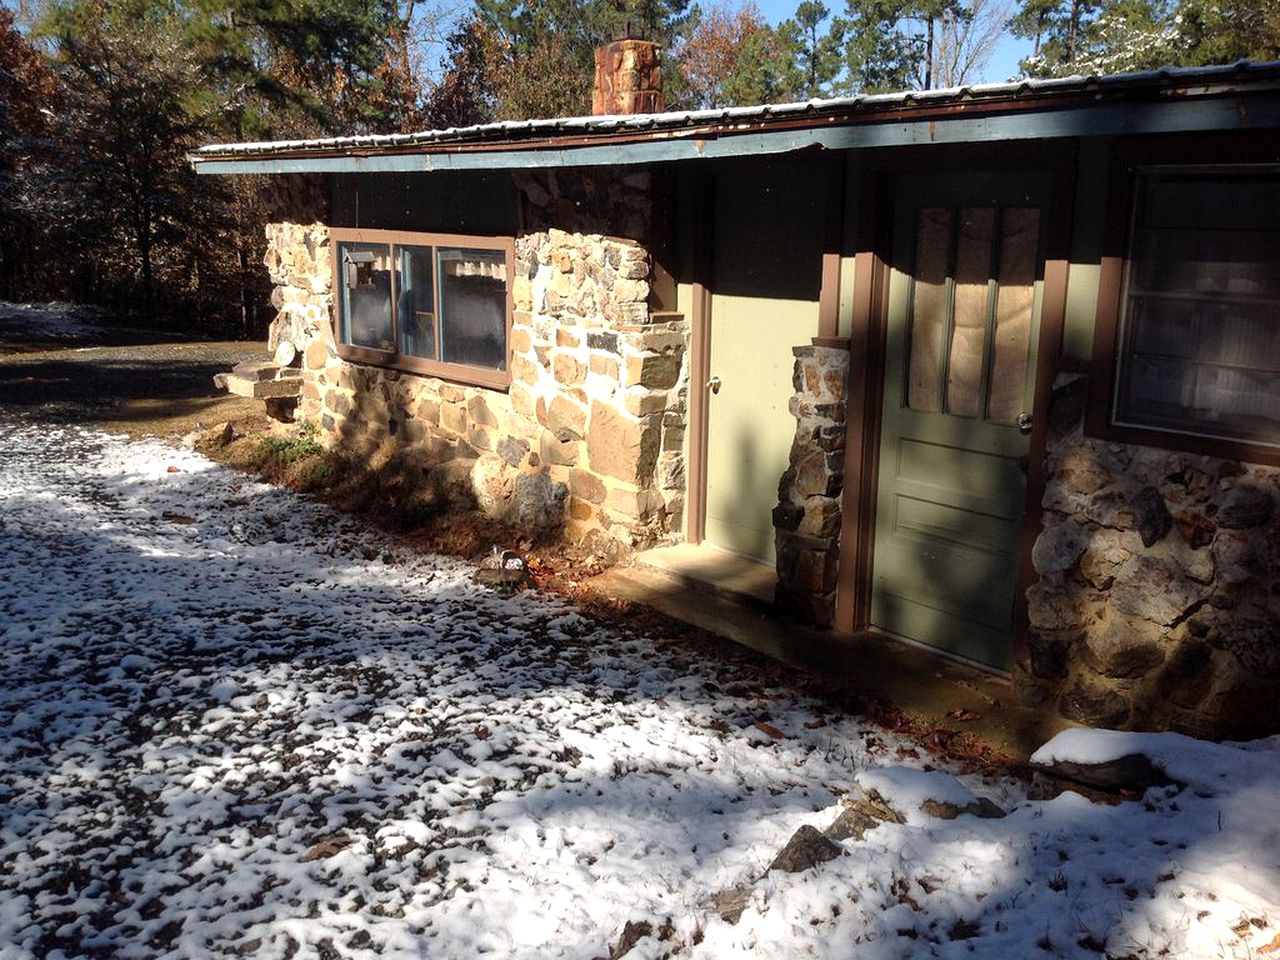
x: 628, y: 78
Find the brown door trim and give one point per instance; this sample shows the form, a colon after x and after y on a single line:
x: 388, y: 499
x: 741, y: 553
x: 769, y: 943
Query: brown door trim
x: 699, y: 360
x: 1053, y: 316
x: 866, y: 394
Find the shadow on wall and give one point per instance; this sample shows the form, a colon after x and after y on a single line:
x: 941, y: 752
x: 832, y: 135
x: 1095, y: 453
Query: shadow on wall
x: 768, y: 226
x: 1156, y: 600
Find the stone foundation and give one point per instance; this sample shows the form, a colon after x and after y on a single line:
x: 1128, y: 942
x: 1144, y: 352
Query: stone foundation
x: 589, y: 436
x: 1158, y: 600
x: 807, y: 518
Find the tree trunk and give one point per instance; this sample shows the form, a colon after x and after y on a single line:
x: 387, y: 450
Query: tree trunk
x: 144, y: 254
x: 1074, y: 29
x: 928, y: 58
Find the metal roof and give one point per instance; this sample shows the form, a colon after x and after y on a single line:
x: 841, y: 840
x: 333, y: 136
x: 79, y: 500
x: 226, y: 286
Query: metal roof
x: 564, y: 133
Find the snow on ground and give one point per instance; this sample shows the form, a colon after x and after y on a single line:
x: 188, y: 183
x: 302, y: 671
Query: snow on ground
x: 51, y: 321
x: 235, y: 723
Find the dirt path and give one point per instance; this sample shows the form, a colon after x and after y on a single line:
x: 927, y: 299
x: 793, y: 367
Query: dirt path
x: 84, y: 373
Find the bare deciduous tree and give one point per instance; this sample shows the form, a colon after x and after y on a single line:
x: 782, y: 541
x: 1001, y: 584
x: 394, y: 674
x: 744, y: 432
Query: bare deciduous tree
x: 967, y: 41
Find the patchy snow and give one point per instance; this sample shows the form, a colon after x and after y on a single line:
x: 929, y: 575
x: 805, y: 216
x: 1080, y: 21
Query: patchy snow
x: 909, y: 789
x: 51, y: 321
x: 1208, y: 767
x: 233, y: 722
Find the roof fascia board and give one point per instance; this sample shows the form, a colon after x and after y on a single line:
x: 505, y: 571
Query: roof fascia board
x: 1215, y: 114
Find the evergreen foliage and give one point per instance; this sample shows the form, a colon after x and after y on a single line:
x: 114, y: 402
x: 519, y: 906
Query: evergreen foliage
x: 102, y: 99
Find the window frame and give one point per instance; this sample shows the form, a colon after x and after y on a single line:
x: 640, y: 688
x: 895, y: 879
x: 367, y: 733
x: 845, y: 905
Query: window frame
x: 393, y: 359
x: 1130, y: 159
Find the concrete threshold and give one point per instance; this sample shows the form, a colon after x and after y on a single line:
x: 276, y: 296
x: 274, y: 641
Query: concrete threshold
x: 937, y: 690
x: 711, y: 569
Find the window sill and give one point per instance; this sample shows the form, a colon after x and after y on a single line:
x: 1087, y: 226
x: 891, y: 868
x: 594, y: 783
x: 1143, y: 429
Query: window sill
x: 453, y: 372
x: 1098, y: 428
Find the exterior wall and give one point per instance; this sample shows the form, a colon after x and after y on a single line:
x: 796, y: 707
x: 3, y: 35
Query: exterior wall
x: 1158, y: 598
x: 590, y: 435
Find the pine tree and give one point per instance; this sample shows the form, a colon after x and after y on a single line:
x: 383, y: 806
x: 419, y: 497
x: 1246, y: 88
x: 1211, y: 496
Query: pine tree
x: 126, y: 126
x: 816, y: 47
x: 1060, y: 30
x: 881, y: 56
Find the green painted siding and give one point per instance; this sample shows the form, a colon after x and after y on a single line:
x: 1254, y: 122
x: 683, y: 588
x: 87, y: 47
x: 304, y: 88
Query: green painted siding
x: 1088, y: 226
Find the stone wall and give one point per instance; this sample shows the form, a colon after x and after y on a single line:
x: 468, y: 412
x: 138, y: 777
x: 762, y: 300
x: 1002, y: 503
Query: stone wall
x: 1158, y: 600
x: 807, y: 518
x: 590, y: 435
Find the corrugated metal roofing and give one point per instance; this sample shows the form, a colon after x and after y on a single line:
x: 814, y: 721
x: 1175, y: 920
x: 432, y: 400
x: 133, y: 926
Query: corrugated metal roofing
x: 1013, y: 93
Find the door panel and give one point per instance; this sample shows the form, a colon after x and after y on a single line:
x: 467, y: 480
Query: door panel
x: 962, y: 321
x: 750, y: 427
x: 766, y: 279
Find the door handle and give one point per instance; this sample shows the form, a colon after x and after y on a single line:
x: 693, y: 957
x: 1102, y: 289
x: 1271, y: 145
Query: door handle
x: 1024, y: 422
x: 714, y: 384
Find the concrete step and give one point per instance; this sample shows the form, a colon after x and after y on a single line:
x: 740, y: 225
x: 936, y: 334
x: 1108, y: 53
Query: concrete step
x: 259, y: 369
x: 243, y: 386
x: 710, y: 569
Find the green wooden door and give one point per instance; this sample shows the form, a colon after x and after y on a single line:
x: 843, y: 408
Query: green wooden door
x: 962, y: 325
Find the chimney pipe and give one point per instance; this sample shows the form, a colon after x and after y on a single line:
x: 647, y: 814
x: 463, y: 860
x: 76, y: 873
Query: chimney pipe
x: 628, y: 78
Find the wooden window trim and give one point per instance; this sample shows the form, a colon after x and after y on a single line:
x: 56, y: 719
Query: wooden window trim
x: 393, y: 360
x: 1236, y: 151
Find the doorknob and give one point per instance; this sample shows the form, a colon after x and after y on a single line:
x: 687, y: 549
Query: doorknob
x: 1023, y: 422
x: 714, y: 384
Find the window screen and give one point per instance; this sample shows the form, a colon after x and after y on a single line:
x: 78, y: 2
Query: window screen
x: 366, y: 294
x: 434, y: 304
x: 416, y: 302
x: 473, y: 307
x: 1200, y: 329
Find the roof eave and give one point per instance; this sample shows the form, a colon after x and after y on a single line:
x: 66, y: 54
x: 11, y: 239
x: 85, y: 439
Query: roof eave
x: 1030, y: 109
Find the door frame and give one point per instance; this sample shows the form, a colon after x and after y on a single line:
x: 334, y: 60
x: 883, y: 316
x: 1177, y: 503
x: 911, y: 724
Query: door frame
x: 873, y: 256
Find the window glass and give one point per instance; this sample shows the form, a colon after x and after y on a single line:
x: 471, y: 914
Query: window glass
x: 1015, y: 307
x: 415, y: 300
x: 1200, y: 332
x: 473, y: 307
x: 970, y: 307
x: 973, y: 299
x: 366, y: 295
x: 929, y: 308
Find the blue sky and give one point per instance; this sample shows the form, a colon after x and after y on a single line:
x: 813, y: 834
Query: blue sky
x: 1003, y: 65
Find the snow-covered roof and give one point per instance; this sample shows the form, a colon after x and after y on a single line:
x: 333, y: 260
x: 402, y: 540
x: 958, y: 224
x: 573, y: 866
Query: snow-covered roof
x: 1011, y: 96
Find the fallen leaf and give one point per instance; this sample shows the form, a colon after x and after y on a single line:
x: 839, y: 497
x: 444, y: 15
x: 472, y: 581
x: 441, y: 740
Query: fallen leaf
x: 328, y: 847
x: 1273, y: 946
x: 960, y: 713
x: 175, y: 469
x: 770, y: 729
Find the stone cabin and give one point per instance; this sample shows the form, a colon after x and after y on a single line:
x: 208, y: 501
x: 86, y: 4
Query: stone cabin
x: 995, y: 370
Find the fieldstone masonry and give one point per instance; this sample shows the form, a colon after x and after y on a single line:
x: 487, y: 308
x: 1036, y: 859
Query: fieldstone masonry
x: 590, y: 435
x: 807, y: 518
x: 1158, y: 598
